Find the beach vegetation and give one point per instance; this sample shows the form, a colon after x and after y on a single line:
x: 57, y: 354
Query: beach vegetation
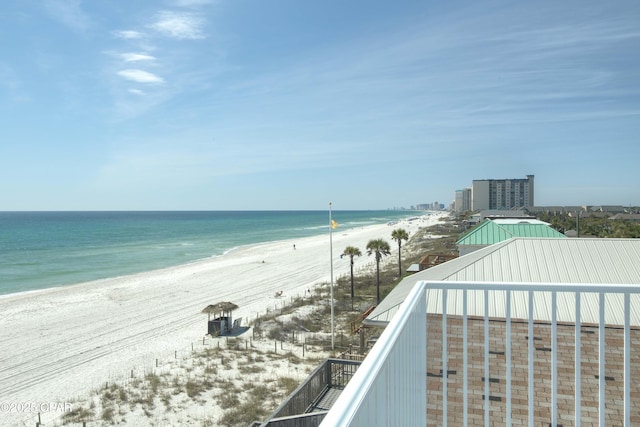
x: 351, y: 252
x: 194, y: 388
x: 208, y: 422
x: 379, y: 248
x: 592, y: 224
x: 288, y: 384
x: 108, y: 414
x: 79, y: 414
x: 227, y: 399
x: 399, y: 234
x: 250, y: 369
x: 154, y: 381
x: 165, y: 398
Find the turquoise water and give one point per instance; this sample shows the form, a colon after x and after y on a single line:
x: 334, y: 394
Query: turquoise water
x: 47, y: 249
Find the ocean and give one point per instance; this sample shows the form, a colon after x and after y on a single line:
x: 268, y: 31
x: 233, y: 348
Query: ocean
x: 41, y: 250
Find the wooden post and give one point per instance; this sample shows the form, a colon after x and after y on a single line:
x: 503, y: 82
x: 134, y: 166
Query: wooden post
x: 156, y: 363
x: 175, y: 354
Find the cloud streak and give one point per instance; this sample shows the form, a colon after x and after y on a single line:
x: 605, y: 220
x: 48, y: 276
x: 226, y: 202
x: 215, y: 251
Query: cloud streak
x: 140, y: 76
x: 179, y: 25
x: 135, y: 57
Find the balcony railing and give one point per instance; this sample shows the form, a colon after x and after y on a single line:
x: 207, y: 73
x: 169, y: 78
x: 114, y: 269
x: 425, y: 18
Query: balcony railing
x: 389, y: 387
x: 526, y: 359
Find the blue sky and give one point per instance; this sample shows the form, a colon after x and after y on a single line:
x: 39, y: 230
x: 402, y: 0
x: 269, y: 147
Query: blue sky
x: 235, y: 104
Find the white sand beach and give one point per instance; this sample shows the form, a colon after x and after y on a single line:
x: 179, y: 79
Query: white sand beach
x: 60, y: 343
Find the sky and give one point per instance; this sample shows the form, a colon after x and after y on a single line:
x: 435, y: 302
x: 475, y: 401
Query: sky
x: 288, y: 104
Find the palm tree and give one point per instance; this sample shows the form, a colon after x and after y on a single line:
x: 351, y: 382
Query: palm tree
x: 351, y: 252
x: 381, y: 248
x: 399, y: 234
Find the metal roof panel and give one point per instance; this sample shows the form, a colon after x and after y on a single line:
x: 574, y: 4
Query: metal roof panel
x: 533, y: 260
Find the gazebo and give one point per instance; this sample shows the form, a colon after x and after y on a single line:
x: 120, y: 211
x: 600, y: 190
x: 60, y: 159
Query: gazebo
x: 223, y: 323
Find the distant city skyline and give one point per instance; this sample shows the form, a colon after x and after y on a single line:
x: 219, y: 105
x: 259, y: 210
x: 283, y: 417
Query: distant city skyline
x: 223, y: 105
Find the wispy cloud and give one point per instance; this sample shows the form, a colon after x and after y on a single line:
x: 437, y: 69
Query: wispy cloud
x: 135, y: 57
x: 128, y: 34
x: 140, y: 76
x: 179, y: 25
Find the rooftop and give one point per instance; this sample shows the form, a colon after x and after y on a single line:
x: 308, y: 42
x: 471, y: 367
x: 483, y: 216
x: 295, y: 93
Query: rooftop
x: 531, y: 260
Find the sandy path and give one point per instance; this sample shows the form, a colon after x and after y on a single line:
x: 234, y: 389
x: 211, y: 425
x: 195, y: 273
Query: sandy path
x: 63, y: 342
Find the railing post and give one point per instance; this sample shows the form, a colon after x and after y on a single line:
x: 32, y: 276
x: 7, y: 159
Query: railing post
x: 578, y: 357
x: 508, y: 355
x: 531, y: 384
x: 444, y: 358
x: 602, y: 343
x: 486, y: 358
x: 554, y: 358
x: 426, y: 353
x: 627, y: 359
x: 465, y: 358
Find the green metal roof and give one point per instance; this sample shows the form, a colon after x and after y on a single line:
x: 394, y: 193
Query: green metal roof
x: 490, y: 232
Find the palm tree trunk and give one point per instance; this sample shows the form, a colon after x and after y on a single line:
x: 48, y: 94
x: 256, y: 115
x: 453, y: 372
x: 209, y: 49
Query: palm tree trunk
x: 351, y: 282
x: 399, y: 259
x: 377, y: 282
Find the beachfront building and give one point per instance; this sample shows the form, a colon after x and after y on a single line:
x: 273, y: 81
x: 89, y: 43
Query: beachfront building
x: 507, y: 328
x: 462, y: 201
x: 492, y: 231
x: 502, y: 193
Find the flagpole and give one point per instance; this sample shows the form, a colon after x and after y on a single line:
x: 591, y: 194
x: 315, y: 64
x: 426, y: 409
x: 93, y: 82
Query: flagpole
x: 331, y: 256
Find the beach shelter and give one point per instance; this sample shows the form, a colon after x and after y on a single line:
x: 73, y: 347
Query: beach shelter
x: 222, y: 323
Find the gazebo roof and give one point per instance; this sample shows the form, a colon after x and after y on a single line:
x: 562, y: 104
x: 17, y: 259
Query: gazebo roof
x: 220, y: 307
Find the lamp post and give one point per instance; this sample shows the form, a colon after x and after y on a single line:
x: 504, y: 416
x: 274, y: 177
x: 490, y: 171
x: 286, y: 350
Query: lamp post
x: 331, y: 292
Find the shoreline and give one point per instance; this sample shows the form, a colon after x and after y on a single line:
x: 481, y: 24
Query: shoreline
x: 35, y: 262
x: 62, y: 342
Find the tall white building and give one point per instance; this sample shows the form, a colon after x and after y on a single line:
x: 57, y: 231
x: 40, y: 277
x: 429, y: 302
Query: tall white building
x: 463, y: 200
x: 502, y: 193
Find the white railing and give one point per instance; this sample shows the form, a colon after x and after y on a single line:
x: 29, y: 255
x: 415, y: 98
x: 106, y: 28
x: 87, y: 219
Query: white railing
x: 527, y: 294
x: 389, y: 387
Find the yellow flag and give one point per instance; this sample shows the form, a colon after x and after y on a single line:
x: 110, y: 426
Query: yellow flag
x: 334, y: 224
